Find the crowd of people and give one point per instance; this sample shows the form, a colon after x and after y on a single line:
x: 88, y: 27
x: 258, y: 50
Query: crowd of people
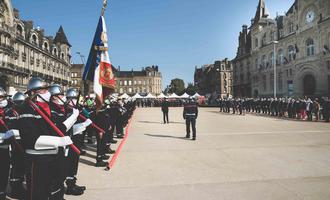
x: 308, y: 109
x: 42, y: 136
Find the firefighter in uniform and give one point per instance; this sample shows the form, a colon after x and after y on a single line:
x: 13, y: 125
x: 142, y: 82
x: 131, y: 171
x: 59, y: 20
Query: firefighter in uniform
x: 190, y: 113
x: 17, y: 153
x: 39, y: 140
x: 77, y: 138
x: 5, y: 137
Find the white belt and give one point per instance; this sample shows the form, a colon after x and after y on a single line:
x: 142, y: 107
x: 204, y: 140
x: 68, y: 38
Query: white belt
x: 42, y: 152
x: 191, y: 114
x: 4, y: 146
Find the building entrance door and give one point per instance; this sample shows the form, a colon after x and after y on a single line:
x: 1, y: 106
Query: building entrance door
x: 309, y: 85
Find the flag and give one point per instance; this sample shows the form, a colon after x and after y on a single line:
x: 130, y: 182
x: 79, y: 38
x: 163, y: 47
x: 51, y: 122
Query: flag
x: 98, y: 68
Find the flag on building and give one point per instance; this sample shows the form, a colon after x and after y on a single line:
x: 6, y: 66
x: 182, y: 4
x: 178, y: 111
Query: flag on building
x: 98, y: 68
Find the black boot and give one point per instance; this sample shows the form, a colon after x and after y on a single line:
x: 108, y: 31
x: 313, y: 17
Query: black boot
x: 187, y: 136
x: 105, y: 157
x: 101, y: 163
x: 17, y: 190
x: 110, y: 151
x: 81, y: 187
x: 113, y: 141
x: 2, y: 196
x: 72, y: 188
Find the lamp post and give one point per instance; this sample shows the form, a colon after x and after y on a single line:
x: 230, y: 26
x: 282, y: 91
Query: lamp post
x: 86, y: 87
x: 274, y: 64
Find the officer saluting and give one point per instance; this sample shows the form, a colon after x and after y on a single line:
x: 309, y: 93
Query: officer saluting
x: 190, y: 113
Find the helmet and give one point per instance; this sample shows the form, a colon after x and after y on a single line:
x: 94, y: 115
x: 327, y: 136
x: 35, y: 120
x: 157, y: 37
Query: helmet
x: 55, y: 89
x: 72, y: 93
x: 36, y: 83
x: 19, y: 97
x: 3, y: 93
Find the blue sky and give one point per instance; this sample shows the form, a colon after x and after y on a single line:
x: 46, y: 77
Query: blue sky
x: 176, y: 35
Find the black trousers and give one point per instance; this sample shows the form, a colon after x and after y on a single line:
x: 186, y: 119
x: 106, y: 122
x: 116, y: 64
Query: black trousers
x: 192, y: 121
x: 39, y: 175
x: 4, y: 168
x: 101, y: 144
x: 119, y: 127
x: 73, y: 158
x: 165, y: 117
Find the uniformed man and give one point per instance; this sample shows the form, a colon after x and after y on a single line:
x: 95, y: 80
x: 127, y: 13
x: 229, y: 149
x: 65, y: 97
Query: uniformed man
x: 5, y: 136
x: 165, y: 106
x: 190, y: 114
x: 39, y: 140
x: 17, y: 190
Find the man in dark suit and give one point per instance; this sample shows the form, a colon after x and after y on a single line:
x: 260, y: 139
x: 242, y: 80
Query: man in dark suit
x: 165, y: 106
x: 190, y: 113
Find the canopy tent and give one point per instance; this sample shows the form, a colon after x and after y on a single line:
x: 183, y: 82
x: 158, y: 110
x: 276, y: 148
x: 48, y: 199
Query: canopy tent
x: 184, y: 96
x: 137, y: 96
x: 196, y: 95
x: 150, y: 96
x: 124, y: 96
x: 173, y: 96
x: 161, y: 96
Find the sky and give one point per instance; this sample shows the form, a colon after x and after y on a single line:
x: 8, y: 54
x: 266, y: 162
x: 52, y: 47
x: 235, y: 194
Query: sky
x: 176, y: 35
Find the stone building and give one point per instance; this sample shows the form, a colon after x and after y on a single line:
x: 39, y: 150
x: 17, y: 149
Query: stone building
x: 26, y: 51
x: 214, y: 79
x: 301, y: 39
x: 148, y: 80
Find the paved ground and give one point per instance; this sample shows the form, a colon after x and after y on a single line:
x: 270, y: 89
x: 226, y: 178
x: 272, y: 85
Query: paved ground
x: 234, y: 157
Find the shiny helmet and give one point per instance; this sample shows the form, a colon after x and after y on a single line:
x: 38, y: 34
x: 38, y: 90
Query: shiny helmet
x: 72, y: 93
x: 18, y: 98
x: 55, y: 90
x: 36, y: 83
x: 3, y: 93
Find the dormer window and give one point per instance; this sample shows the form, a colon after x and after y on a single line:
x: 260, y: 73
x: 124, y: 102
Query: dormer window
x: 19, y: 30
x: 46, y: 46
x: 34, y: 39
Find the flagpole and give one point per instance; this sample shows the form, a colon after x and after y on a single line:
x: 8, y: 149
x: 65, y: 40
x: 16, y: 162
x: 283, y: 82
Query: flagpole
x: 105, y: 3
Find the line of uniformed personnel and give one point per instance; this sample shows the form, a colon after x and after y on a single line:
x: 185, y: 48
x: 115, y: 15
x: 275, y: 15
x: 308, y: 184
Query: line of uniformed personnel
x: 296, y: 108
x: 42, y: 136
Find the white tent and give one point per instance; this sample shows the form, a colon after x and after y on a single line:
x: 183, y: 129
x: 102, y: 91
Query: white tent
x: 124, y: 96
x: 184, y: 96
x: 161, y: 96
x: 196, y: 95
x: 173, y: 96
x: 137, y: 96
x: 150, y: 96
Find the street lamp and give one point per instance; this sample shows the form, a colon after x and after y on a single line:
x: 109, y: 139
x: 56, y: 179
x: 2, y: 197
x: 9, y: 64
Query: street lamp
x: 274, y: 64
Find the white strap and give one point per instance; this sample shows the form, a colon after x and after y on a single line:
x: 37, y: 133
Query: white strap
x: 46, y: 142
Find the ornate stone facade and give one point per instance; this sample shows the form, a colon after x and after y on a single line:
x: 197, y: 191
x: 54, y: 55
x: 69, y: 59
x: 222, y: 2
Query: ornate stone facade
x: 214, y: 79
x: 148, y: 80
x: 26, y: 51
x: 302, y: 52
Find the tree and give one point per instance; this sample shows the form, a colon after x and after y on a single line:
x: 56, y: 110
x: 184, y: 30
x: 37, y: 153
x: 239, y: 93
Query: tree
x: 191, y: 89
x: 177, y: 86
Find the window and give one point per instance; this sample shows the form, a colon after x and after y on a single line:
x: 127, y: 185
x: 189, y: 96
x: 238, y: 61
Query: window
x: 256, y: 42
x: 125, y: 83
x: 281, y: 57
x: 272, y: 38
x: 271, y: 59
x: 45, y: 46
x: 19, y: 30
x: 257, y: 63
x: 129, y: 82
x: 281, y: 33
x: 310, y: 47
x: 264, y: 82
x: 290, y: 27
x: 34, y: 39
x: 264, y: 40
x: 292, y: 53
x: 264, y: 61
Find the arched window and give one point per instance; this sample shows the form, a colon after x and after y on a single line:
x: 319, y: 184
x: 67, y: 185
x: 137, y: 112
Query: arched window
x: 292, y: 53
x: 281, y: 56
x: 19, y: 30
x: 45, y: 46
x: 310, y: 47
x: 55, y: 51
x: 62, y: 55
x: 256, y: 42
x: 34, y: 39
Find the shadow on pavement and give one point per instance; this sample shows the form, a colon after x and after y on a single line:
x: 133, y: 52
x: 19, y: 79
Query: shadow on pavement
x: 86, y: 162
x: 166, y: 136
x: 150, y: 122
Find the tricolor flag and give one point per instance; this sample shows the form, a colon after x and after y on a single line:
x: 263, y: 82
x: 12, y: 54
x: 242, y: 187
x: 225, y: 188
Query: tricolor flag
x: 98, y: 68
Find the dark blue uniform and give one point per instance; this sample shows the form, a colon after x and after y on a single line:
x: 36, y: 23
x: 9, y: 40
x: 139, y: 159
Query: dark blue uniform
x: 190, y: 113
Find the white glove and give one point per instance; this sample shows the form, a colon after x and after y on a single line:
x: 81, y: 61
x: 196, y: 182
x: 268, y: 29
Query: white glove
x: 46, y: 142
x: 15, y: 132
x: 87, y: 122
x: 9, y: 134
x: 78, y: 128
x: 68, y: 123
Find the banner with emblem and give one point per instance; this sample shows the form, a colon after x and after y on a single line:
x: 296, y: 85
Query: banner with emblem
x: 98, y: 68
